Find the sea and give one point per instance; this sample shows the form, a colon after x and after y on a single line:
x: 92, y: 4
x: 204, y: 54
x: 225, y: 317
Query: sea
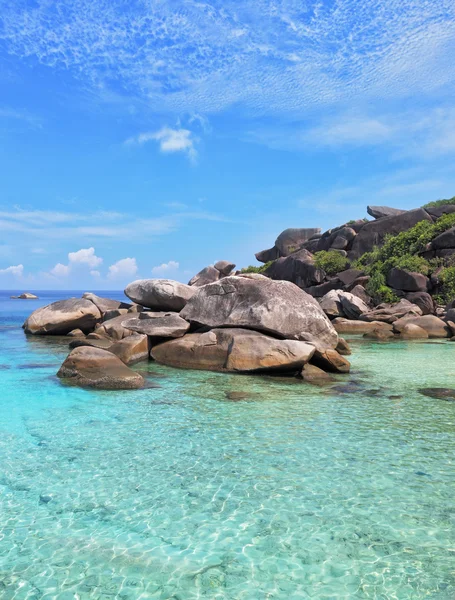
x: 185, y: 490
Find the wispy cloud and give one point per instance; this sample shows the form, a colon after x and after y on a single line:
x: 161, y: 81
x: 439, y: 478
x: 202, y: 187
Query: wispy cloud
x: 170, y: 266
x: 169, y: 140
x: 268, y: 56
x: 17, y: 270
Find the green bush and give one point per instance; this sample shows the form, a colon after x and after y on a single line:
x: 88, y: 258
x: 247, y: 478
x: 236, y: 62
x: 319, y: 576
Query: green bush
x: 330, y: 261
x: 439, y: 203
x: 378, y: 290
x: 447, y: 279
x: 408, y: 262
x: 260, y: 269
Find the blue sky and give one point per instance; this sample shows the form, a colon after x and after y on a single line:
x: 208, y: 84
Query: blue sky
x: 149, y: 138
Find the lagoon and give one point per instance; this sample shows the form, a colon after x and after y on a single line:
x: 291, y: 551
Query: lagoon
x: 178, y: 492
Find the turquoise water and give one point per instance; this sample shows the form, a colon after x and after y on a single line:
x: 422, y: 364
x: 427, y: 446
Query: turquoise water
x: 176, y: 492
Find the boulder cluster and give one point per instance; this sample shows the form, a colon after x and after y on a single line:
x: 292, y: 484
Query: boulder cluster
x: 286, y: 319
x: 244, y: 323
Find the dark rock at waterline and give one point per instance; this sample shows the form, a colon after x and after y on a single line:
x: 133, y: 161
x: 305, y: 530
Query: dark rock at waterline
x: 316, y: 376
x: 439, y: 393
x: 330, y: 360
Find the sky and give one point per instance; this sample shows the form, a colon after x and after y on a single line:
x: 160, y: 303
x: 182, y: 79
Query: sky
x: 151, y: 138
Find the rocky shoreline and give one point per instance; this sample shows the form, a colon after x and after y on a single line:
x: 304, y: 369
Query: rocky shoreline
x: 286, y: 317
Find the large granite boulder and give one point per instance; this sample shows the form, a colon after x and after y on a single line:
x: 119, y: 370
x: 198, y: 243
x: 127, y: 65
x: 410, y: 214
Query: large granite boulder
x: 330, y: 360
x: 343, y: 238
x: 276, y: 307
x: 288, y: 242
x: 233, y: 350
x: 316, y: 376
x: 423, y: 300
x: 61, y: 317
x: 96, y: 368
x: 349, y: 276
x: 407, y: 281
x: 338, y: 303
x: 389, y: 313
x: 434, y: 326
x: 225, y: 267
x: 373, y: 233
x: 379, y: 212
x: 166, y: 325
x: 25, y: 296
x: 207, y: 275
x: 265, y: 256
x: 160, y: 294
x: 438, y: 211
x: 298, y: 267
x: 106, y: 304
x: 132, y: 349
x: 444, y: 240
x: 413, y: 332
x: 346, y: 326
x: 114, y: 329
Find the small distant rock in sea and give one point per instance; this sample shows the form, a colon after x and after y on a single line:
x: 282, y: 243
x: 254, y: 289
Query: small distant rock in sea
x: 25, y: 296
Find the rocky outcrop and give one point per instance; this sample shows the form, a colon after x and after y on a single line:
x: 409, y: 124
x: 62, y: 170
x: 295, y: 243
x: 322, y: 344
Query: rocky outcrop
x: 413, y: 332
x: 212, y: 273
x: 105, y: 304
x: 330, y: 360
x: 25, y: 296
x: 298, y: 267
x: 114, y: 329
x: 444, y: 240
x: 389, y: 313
x: 407, y: 281
x: 233, y: 350
x: 59, y: 318
x: 132, y: 349
x: 434, y: 326
x: 159, y: 325
x: 96, y: 368
x: 160, y: 294
x: 379, y: 212
x: 276, y: 307
x: 288, y: 242
x: 423, y: 300
x: 345, y: 326
x: 373, y: 233
x: 343, y: 304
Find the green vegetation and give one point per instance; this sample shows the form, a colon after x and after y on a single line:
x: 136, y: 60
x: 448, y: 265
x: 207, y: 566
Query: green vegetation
x: 331, y: 262
x: 260, y: 269
x: 403, y: 251
x: 447, y: 279
x: 440, y: 203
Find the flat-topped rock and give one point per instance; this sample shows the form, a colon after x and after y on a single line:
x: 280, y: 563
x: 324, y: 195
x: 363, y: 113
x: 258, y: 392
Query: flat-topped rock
x: 359, y: 327
x: 169, y: 325
x: 96, y: 368
x: 233, y: 350
x: 392, y: 312
x: 379, y: 212
x: 276, y: 307
x: 63, y: 316
x: 160, y: 294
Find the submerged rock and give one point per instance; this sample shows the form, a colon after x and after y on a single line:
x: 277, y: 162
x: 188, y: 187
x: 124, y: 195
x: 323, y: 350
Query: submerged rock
x: 315, y: 375
x: 93, y: 367
x: 276, y: 307
x: 160, y: 294
x: 439, y: 393
x: 234, y: 350
x: 61, y: 317
x: 331, y: 360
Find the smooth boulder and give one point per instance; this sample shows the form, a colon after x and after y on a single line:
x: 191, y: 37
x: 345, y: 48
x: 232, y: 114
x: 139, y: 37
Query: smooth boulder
x: 105, y: 304
x: 169, y: 325
x: 207, y: 275
x: 359, y: 327
x: 61, y: 317
x: 379, y: 212
x: 276, y: 307
x: 160, y: 294
x: 434, y: 326
x: 413, y: 332
x: 97, y: 368
x: 407, y: 281
x: 114, y: 329
x: 389, y: 313
x: 131, y: 349
x: 233, y: 350
x: 298, y: 267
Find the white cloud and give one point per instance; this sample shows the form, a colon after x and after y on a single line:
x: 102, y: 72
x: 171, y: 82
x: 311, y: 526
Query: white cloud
x: 126, y: 267
x: 60, y: 270
x: 172, y: 265
x: 95, y: 273
x: 17, y: 270
x: 85, y: 256
x: 170, y: 140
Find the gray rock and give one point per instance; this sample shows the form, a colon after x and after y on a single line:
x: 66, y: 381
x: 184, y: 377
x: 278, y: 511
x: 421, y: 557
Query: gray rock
x: 266, y: 256
x: 59, y: 318
x: 407, y: 281
x: 343, y: 239
x: 389, y: 313
x: 299, y: 268
x: 224, y: 267
x: 438, y: 211
x: 233, y: 350
x: 361, y: 293
x: 169, y: 325
x: 379, y: 212
x: 93, y: 367
x: 160, y: 294
x: 423, y: 300
x: 276, y: 307
x: 434, y: 326
x: 444, y: 240
x: 207, y: 275
x: 114, y: 329
x: 25, y: 296
x: 346, y: 326
x: 349, y: 276
x: 105, y: 304
x: 318, y: 291
x: 331, y: 304
x: 338, y: 303
x: 373, y: 233
x: 291, y: 240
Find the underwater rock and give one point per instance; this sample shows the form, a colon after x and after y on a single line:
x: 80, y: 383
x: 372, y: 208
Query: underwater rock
x: 439, y: 393
x: 312, y: 374
x: 330, y: 360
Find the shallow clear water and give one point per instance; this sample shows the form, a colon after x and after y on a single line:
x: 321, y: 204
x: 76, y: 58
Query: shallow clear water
x: 178, y: 493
